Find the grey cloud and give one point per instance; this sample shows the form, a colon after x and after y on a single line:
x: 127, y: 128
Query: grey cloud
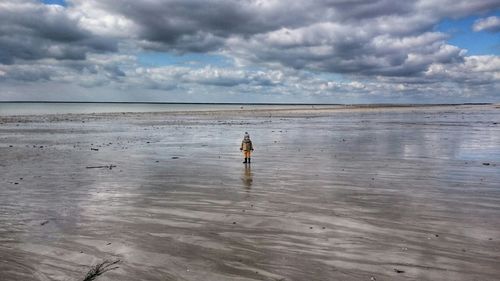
x: 32, y: 31
x: 210, y: 76
x: 25, y: 73
x: 196, y: 26
x: 337, y: 36
x: 478, y: 76
x: 365, y: 9
x: 349, y: 49
x: 390, y: 44
x: 96, y: 70
x: 371, y: 37
x: 201, y: 26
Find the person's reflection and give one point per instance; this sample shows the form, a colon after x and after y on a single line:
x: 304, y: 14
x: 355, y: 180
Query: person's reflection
x: 247, y: 177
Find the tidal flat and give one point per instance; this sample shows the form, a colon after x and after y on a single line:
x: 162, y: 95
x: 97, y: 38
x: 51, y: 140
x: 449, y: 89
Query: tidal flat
x: 382, y: 193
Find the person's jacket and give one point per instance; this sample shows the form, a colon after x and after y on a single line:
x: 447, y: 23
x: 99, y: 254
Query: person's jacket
x: 246, y: 145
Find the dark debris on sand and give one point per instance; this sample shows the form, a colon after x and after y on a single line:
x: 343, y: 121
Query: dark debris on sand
x: 101, y: 268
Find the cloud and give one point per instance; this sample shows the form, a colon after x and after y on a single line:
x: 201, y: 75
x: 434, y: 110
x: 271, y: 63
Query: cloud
x: 491, y: 24
x: 475, y: 70
x: 96, y: 70
x: 348, y: 49
x: 167, y: 77
x: 372, y: 37
x: 475, y: 77
x: 122, y: 71
x: 32, y: 31
x: 374, y: 47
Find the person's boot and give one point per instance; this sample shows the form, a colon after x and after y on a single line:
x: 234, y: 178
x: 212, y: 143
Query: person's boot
x: 245, y: 160
x: 248, y: 159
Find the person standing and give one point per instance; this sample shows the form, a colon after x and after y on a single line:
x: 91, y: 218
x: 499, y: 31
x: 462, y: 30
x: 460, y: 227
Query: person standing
x: 246, y: 147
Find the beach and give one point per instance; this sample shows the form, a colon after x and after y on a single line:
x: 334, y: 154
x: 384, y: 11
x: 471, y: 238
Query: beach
x: 361, y: 193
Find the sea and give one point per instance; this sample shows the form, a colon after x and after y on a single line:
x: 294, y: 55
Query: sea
x: 43, y: 108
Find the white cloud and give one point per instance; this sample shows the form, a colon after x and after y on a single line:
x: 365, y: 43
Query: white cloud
x: 474, y: 70
x: 491, y: 24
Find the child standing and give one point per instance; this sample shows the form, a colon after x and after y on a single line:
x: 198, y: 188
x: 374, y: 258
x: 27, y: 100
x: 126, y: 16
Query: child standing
x: 246, y: 147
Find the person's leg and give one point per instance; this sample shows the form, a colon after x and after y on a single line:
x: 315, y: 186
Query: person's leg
x: 249, y: 155
x: 245, y: 153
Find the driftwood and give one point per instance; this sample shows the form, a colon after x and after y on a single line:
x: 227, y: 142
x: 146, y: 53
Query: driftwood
x: 101, y: 167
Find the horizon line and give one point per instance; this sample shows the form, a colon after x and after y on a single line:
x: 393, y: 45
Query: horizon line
x: 243, y: 103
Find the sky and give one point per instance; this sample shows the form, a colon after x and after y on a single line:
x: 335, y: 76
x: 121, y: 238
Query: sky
x: 258, y: 51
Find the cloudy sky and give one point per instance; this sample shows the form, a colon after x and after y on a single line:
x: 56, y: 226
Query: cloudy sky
x: 336, y: 51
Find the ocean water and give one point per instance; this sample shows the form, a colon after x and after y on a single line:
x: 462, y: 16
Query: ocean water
x: 7, y: 109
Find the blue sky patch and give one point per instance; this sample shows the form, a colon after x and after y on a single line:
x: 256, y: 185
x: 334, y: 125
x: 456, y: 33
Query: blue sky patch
x: 155, y: 59
x: 55, y: 2
x: 462, y: 35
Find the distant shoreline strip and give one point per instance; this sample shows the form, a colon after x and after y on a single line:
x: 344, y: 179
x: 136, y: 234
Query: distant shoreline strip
x: 243, y: 104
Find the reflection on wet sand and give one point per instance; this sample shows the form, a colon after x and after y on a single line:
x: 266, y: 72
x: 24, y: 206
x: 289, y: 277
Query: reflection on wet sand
x: 400, y: 194
x: 247, y: 177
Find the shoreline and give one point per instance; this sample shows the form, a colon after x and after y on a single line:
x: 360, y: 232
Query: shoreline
x: 237, y: 103
x: 305, y: 110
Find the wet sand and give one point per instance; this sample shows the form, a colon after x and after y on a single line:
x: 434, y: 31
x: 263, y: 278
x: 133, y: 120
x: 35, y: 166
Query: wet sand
x: 333, y: 194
